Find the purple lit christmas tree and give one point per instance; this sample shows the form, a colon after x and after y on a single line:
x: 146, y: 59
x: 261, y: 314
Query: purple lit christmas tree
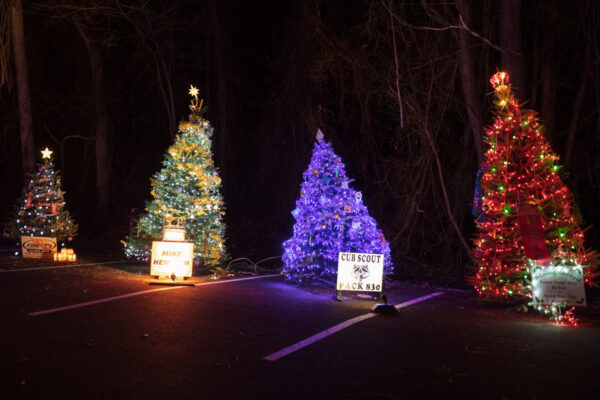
x: 330, y: 218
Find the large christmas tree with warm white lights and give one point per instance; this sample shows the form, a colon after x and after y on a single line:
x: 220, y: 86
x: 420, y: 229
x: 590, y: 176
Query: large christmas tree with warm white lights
x: 41, y: 210
x: 330, y: 218
x: 527, y: 212
x: 186, y: 189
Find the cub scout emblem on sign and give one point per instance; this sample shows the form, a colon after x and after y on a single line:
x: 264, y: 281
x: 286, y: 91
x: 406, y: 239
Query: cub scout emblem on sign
x: 360, y: 272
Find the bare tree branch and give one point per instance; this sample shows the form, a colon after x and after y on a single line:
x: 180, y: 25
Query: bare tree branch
x: 460, y: 26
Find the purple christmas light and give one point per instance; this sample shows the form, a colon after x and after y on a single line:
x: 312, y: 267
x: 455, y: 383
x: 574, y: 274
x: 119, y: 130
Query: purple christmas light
x: 330, y: 218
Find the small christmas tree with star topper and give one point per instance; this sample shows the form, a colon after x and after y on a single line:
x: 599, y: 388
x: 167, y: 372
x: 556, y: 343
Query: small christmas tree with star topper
x: 187, y: 189
x: 41, y: 209
x: 330, y: 218
x: 527, y: 213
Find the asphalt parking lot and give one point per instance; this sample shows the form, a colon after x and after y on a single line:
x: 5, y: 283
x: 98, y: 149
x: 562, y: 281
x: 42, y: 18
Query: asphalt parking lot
x: 99, y: 331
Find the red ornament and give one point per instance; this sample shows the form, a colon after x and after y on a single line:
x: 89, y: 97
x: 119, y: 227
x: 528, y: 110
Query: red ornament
x: 54, y: 208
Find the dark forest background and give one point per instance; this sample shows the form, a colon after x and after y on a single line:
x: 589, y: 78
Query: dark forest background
x: 400, y: 88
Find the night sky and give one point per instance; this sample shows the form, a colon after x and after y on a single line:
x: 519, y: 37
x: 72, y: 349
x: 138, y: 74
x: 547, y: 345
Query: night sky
x: 378, y: 77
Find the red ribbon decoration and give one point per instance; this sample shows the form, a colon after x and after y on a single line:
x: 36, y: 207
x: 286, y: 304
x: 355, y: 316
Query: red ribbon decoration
x: 530, y: 225
x: 28, y: 201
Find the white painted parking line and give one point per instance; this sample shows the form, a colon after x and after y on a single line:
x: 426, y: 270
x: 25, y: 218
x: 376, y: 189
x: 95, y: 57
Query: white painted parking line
x: 417, y: 300
x: 330, y: 331
x: 235, y: 280
x: 105, y: 300
x: 124, y: 296
x: 63, y: 266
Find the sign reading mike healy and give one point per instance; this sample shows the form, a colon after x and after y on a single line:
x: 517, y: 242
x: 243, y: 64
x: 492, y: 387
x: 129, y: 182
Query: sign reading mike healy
x: 360, y: 272
x: 170, y: 258
x: 38, y: 247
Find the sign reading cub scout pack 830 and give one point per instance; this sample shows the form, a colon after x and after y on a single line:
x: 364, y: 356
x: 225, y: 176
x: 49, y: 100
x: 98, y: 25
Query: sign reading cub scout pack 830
x: 170, y: 258
x: 360, y: 272
x: 38, y: 247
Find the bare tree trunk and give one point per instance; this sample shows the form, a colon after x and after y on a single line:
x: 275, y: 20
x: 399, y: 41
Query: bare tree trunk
x: 224, y: 105
x: 101, y: 125
x: 469, y: 85
x: 221, y: 68
x: 511, y: 40
x: 21, y: 69
x: 578, y: 105
x: 162, y: 70
x: 596, y: 76
x: 396, y: 67
x: 439, y: 168
x: 548, y: 69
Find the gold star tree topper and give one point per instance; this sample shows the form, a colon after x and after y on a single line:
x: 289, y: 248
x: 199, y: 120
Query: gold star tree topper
x: 195, y: 106
x: 46, y: 153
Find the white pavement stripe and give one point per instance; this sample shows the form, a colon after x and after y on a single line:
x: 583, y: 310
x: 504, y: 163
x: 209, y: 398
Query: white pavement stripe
x: 107, y: 299
x: 62, y: 266
x: 235, y: 280
x: 327, y: 332
x: 123, y: 296
x: 323, y: 334
x: 418, y: 299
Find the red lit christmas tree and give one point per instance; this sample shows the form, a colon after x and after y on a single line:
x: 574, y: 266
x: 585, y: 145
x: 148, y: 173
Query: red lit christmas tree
x: 527, y: 212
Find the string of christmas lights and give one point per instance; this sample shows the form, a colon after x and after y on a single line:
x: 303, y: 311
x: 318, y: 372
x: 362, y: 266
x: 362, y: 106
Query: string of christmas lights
x: 330, y: 218
x: 187, y: 189
x: 41, y: 209
x: 521, y: 179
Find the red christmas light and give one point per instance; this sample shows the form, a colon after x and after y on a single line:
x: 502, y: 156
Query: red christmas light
x: 521, y: 169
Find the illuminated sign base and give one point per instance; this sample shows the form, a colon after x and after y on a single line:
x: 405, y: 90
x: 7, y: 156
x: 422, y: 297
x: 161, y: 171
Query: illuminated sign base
x: 384, y: 308
x: 172, y: 259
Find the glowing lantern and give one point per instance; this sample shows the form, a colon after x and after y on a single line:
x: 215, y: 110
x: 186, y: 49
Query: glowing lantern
x: 65, y: 255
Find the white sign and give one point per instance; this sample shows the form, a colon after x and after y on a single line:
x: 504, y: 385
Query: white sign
x: 170, y: 258
x: 557, y: 284
x: 38, y: 247
x: 360, y: 272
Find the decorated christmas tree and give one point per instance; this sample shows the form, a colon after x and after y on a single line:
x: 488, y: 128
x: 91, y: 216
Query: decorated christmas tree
x: 330, y: 218
x: 41, y: 210
x: 527, y: 214
x: 187, y: 189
